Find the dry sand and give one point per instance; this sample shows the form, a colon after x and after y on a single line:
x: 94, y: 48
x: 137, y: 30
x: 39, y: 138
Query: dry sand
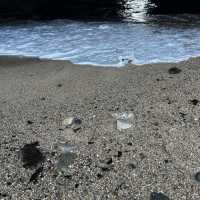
x: 160, y: 153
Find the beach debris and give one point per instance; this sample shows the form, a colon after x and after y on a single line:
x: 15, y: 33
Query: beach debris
x: 158, y: 196
x: 124, y: 120
x: 31, y: 156
x: 36, y: 174
x: 67, y: 156
x: 197, y: 177
x: 68, y: 121
x: 194, y: 102
x: 66, y: 147
x: 72, y: 122
x: 174, y: 70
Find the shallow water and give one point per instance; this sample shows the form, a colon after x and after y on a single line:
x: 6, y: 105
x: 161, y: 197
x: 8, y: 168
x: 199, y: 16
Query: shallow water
x: 138, y: 37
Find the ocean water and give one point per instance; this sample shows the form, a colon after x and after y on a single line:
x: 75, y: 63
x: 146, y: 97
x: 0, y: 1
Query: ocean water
x: 138, y: 38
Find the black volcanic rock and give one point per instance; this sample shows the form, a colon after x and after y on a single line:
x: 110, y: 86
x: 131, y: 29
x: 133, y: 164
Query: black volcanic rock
x: 51, y: 9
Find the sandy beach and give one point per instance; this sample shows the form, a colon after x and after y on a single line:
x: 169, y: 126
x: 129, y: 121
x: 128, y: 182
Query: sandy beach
x: 156, y: 158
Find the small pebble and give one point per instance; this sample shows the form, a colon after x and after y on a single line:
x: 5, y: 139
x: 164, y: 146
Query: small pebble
x: 129, y: 143
x: 99, y: 176
x: 158, y: 196
x: 59, y: 85
x: 29, y: 122
x: 194, y: 102
x: 174, y: 70
x: 119, y: 154
x: 197, y: 176
x: 43, y: 98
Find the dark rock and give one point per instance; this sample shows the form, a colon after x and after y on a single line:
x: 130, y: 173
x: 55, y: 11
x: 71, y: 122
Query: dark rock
x: 197, y: 176
x: 3, y: 195
x: 158, y: 196
x: 59, y: 85
x: 90, y: 142
x: 76, y: 185
x: 30, y: 122
x: 35, y: 175
x: 77, y: 121
x: 31, y: 155
x: 194, y: 102
x: 9, y: 183
x: 76, y: 124
x: 108, y: 161
x: 119, y: 154
x: 166, y: 161
x: 99, y: 176
x: 174, y: 70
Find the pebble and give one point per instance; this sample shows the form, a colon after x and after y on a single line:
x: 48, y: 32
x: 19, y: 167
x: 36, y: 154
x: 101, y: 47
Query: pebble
x: 59, y: 85
x: 29, y: 122
x: 174, y: 70
x: 197, y: 176
x: 194, y: 102
x: 158, y: 196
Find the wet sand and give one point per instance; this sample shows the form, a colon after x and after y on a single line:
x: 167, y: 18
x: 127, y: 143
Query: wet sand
x: 159, y: 156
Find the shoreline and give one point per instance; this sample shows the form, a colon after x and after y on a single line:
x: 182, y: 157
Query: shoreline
x: 18, y: 58
x: 157, y: 156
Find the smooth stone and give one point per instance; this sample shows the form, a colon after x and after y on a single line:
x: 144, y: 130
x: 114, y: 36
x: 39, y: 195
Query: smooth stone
x: 174, y: 70
x: 194, y: 102
x: 158, y: 196
x: 197, y: 177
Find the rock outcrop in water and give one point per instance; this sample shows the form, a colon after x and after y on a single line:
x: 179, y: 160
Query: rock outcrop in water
x: 175, y: 6
x: 51, y: 9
